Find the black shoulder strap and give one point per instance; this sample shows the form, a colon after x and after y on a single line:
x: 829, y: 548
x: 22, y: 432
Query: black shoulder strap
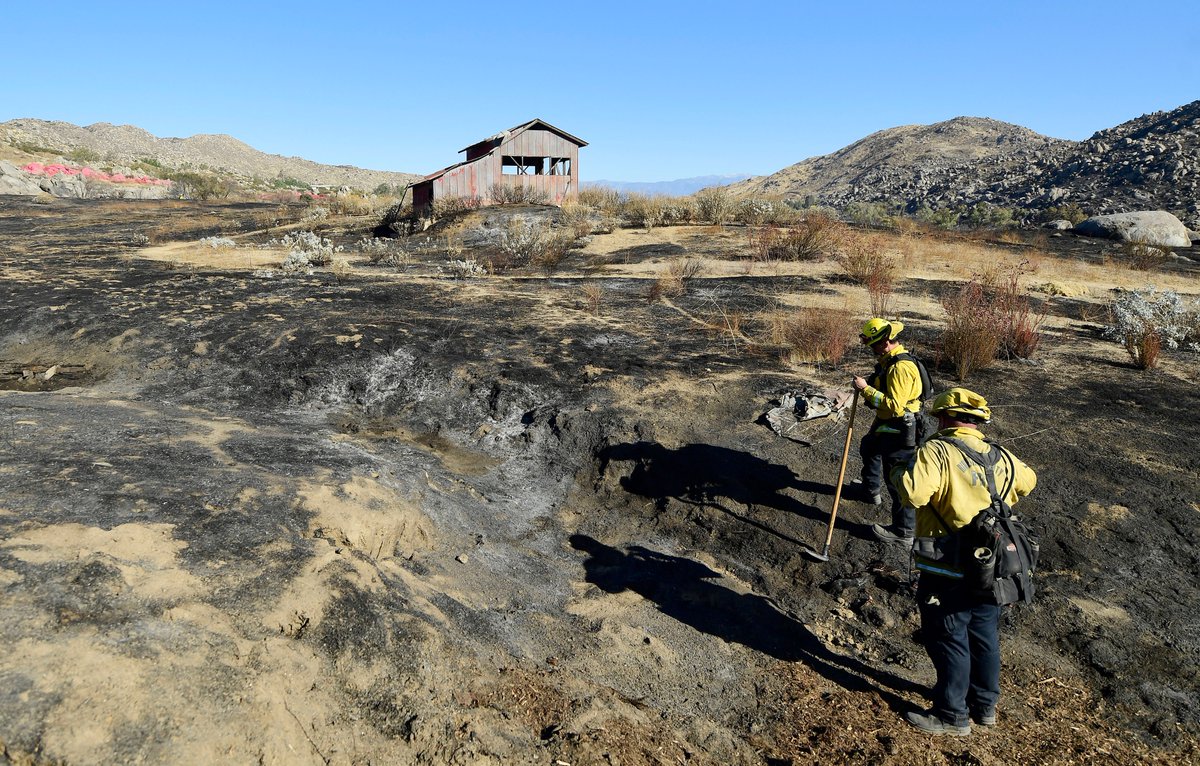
x: 988, y: 461
x: 926, y: 381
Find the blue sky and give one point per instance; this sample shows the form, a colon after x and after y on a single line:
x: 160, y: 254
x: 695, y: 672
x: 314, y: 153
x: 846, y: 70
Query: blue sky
x: 660, y: 90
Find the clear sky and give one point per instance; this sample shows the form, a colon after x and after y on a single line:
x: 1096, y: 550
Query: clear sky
x: 659, y: 90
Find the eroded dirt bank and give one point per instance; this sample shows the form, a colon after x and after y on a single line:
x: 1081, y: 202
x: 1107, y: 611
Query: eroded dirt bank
x: 420, y: 520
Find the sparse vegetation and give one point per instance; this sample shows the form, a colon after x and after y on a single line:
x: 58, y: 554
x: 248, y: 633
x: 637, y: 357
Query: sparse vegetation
x: 516, y: 194
x: 1141, y: 256
x: 1066, y: 212
x: 1148, y: 320
x: 306, y: 250
x: 83, y: 155
x: 865, y: 261
x: 674, y: 279
x: 814, y: 334
x: 714, y: 205
x: 972, y: 337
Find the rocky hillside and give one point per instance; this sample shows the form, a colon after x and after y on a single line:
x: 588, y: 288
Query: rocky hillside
x: 125, y: 144
x: 912, y: 162
x: 1150, y: 162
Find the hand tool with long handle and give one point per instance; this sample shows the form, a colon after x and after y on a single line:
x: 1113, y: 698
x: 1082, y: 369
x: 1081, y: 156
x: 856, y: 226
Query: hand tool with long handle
x: 837, y: 493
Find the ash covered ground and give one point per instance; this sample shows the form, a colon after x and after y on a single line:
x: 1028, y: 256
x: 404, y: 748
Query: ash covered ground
x: 387, y: 516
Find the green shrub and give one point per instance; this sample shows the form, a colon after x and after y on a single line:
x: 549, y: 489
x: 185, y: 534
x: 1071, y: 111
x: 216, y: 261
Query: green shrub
x: 1067, y: 212
x: 944, y: 218
x: 984, y: 216
x: 870, y: 213
x: 83, y: 155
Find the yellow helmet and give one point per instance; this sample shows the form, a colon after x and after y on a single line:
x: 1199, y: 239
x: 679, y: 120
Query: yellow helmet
x: 877, y: 329
x: 962, y: 401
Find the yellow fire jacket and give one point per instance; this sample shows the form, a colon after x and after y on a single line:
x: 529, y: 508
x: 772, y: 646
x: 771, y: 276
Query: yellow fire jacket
x: 903, y: 392
x: 944, y: 479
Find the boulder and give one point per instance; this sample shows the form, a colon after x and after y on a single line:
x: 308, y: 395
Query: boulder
x: 13, y: 180
x: 1061, y: 224
x: 1151, y: 227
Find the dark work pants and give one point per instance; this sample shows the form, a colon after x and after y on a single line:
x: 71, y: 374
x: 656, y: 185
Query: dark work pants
x: 963, y: 641
x: 881, y: 452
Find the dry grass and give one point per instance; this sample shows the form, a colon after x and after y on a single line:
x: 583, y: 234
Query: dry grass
x: 814, y: 334
x: 593, y: 297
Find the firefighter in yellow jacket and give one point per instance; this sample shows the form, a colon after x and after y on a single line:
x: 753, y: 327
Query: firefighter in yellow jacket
x: 894, y: 391
x: 959, y: 625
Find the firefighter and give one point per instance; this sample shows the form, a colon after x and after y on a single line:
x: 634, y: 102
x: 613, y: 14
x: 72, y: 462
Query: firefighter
x: 895, y: 391
x: 959, y: 623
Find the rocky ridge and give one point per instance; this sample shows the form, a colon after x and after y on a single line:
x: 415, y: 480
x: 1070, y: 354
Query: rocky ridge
x: 127, y: 143
x: 1152, y: 162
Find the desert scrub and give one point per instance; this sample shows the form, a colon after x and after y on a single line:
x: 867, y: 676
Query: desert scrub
x: 757, y: 211
x: 876, y: 214
x: 525, y: 243
x: 306, y: 250
x: 641, y: 210
x: 811, y: 334
x: 382, y: 252
x: 984, y: 216
x: 674, y: 278
x: 601, y: 198
x: 810, y: 239
x: 714, y: 206
x: 578, y: 218
x: 218, y: 243
x: 989, y: 316
x: 1146, y: 321
x: 462, y: 268
x: 864, y: 260
x: 516, y: 194
x: 444, y: 206
x: 1141, y: 256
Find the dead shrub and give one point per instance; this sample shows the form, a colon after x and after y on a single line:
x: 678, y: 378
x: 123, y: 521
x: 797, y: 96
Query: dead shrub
x: 674, y: 280
x: 973, y: 331
x: 879, y: 288
x: 593, y: 297
x: 1020, y: 328
x: 444, y: 206
x: 644, y: 211
x: 727, y: 322
x: 578, y: 218
x: 1141, y: 256
x: 864, y: 260
x: 516, y: 194
x: 762, y: 241
x: 601, y: 198
x: 1144, y: 349
x: 714, y: 205
x: 812, y: 334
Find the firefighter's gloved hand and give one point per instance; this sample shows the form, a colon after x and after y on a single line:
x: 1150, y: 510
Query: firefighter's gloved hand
x: 859, y: 383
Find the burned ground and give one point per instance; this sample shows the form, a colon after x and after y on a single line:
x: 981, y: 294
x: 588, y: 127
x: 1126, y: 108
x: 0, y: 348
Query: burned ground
x: 389, y: 516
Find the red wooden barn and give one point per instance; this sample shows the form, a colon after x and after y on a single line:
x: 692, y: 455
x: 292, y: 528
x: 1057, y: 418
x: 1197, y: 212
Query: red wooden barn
x: 534, y: 154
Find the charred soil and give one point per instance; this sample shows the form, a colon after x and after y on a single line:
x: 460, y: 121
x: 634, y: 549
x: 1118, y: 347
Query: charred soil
x: 388, y: 516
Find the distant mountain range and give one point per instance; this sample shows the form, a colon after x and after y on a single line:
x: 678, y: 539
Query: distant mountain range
x: 678, y: 188
x: 1151, y: 162
x: 126, y: 144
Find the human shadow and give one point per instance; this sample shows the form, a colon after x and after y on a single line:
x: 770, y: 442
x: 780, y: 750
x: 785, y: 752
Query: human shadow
x: 706, y: 475
x: 688, y: 591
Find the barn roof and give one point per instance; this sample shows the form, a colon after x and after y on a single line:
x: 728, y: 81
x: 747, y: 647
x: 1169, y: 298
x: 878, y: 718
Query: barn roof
x: 506, y: 134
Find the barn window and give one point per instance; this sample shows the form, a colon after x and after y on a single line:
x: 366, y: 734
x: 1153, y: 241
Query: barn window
x: 523, y: 166
x: 560, y: 166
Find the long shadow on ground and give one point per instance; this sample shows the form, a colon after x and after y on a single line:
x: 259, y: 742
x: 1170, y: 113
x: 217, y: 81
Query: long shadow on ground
x: 699, y: 474
x: 686, y: 590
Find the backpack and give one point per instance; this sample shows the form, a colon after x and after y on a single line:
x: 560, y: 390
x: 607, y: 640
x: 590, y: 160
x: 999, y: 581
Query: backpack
x: 915, y: 428
x: 995, y: 555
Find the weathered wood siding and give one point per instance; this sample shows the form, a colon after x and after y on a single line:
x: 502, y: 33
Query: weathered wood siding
x: 541, y: 143
x: 473, y: 179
